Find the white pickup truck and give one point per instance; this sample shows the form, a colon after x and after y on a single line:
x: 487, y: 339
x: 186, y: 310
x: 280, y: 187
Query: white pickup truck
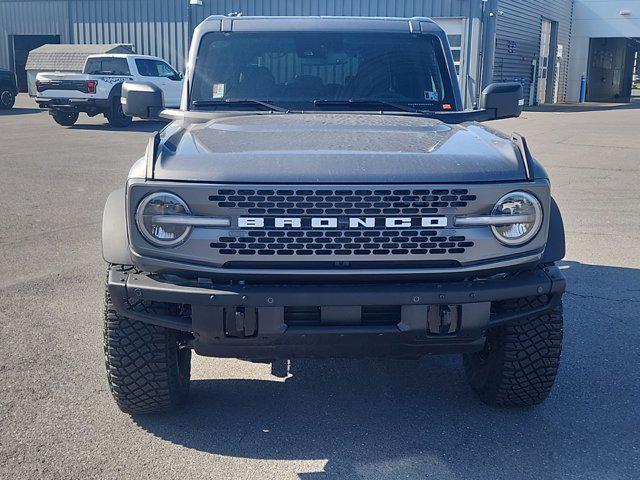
x: 97, y: 90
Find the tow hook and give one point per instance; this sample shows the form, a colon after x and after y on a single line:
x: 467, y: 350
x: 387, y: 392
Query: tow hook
x: 240, y: 322
x: 443, y: 319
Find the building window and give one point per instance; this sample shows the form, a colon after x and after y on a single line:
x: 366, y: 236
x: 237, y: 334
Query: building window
x: 455, y: 40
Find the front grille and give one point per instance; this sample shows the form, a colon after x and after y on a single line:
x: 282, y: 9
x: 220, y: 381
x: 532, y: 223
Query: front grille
x: 339, y: 201
x: 313, y: 230
x: 344, y: 243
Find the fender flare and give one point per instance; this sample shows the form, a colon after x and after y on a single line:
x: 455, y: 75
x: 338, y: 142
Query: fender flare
x: 555, y: 249
x: 115, y: 239
x: 116, y: 91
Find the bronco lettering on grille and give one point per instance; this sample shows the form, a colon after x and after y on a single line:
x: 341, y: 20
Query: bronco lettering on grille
x: 341, y: 222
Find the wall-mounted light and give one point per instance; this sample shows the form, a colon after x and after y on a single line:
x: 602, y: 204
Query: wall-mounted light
x: 625, y: 13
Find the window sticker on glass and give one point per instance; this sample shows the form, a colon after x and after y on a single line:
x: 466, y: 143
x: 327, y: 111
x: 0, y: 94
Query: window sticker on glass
x: 431, y: 96
x: 218, y: 90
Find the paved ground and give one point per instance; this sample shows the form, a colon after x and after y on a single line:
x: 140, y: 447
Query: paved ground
x: 338, y: 419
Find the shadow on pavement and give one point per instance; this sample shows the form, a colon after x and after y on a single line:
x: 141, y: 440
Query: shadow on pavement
x: 20, y: 111
x: 417, y: 419
x: 584, y: 107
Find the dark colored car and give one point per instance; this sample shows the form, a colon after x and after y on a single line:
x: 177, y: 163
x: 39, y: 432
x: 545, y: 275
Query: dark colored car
x: 8, y: 89
x: 323, y: 193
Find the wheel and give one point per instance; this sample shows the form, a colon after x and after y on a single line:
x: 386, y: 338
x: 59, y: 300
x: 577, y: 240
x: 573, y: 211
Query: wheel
x: 116, y: 116
x: 7, y: 99
x: 66, y: 119
x: 147, y: 370
x: 519, y: 362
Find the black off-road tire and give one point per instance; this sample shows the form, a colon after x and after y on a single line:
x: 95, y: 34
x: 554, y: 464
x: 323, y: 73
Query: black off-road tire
x: 147, y: 370
x: 66, y: 119
x: 116, y: 117
x: 519, y: 362
x: 7, y: 99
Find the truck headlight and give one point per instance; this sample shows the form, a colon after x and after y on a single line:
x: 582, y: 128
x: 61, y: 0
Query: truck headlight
x: 524, y: 207
x: 156, y: 219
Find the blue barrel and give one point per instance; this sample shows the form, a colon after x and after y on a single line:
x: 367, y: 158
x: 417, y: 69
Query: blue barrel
x: 583, y: 88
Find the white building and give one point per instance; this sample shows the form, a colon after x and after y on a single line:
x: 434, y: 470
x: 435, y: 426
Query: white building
x: 604, y: 40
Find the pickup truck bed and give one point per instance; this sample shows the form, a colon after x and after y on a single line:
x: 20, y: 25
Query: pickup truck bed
x: 97, y: 90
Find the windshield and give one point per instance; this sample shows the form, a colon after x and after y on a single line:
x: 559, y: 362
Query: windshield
x: 304, y: 70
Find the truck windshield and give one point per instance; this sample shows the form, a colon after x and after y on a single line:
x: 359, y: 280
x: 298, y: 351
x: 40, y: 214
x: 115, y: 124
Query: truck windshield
x: 336, y: 71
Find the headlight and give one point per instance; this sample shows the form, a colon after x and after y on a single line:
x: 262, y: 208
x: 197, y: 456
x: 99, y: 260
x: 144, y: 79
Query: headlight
x: 527, y: 208
x: 154, y: 219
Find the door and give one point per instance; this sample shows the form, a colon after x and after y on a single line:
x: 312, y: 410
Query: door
x: 610, y: 70
x: 455, y: 29
x: 165, y: 77
x: 543, y: 65
x: 22, y: 45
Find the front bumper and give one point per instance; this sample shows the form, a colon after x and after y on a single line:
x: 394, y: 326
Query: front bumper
x: 251, y: 321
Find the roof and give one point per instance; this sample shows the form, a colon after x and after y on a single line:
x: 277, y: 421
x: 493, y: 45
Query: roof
x: 124, y: 55
x: 318, y: 24
x: 69, y: 57
x: 342, y: 18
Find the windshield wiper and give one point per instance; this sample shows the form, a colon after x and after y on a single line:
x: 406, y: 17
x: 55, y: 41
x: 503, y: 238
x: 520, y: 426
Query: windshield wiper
x: 353, y: 102
x: 240, y: 103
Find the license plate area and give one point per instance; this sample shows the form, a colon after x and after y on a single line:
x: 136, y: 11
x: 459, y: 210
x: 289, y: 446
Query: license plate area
x: 342, y: 315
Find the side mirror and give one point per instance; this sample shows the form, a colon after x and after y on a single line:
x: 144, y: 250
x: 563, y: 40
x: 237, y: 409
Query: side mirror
x: 141, y: 99
x: 503, y: 100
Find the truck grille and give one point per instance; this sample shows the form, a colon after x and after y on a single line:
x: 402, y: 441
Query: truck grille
x: 341, y: 201
x: 344, y: 243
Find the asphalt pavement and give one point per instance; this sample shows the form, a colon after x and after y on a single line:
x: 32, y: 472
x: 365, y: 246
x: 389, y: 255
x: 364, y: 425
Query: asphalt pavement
x: 341, y: 419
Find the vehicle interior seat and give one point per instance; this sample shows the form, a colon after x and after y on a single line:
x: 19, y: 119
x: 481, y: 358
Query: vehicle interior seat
x: 306, y: 86
x: 372, y: 79
x: 255, y: 82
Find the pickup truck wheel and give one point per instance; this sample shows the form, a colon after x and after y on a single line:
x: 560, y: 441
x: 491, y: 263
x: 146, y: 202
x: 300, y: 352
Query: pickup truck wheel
x: 147, y: 370
x: 7, y: 99
x: 116, y: 116
x: 519, y: 362
x: 66, y: 119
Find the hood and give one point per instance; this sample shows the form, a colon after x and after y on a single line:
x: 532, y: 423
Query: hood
x: 335, y: 148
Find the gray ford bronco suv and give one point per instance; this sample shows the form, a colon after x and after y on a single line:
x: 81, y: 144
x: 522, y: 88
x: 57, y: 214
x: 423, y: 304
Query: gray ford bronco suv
x: 322, y: 193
